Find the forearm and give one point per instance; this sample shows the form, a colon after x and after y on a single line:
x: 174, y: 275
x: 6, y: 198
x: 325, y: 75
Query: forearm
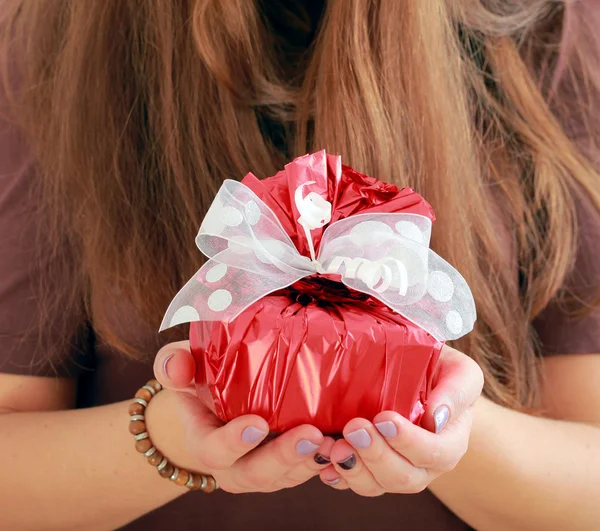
x: 522, y: 473
x: 79, y: 469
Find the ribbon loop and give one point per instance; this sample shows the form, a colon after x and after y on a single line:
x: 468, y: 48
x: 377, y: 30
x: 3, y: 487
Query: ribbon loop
x: 384, y: 255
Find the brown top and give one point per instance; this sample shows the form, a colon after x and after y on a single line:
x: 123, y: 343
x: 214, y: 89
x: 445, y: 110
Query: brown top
x: 104, y: 377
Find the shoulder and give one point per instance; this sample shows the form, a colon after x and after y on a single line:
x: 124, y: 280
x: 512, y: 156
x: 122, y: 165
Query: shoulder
x: 32, y: 340
x: 571, y: 322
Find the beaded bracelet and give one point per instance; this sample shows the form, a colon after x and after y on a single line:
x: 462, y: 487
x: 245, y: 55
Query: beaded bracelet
x: 143, y: 444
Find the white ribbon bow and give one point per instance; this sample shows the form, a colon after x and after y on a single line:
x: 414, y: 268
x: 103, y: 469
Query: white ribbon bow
x: 384, y: 255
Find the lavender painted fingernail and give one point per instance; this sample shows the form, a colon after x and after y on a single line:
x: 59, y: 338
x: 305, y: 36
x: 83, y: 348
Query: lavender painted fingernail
x: 359, y: 438
x: 387, y: 429
x: 165, y: 364
x: 332, y: 482
x: 305, y: 447
x: 252, y: 435
x: 440, y: 418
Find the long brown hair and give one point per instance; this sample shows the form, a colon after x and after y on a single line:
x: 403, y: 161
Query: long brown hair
x: 137, y: 109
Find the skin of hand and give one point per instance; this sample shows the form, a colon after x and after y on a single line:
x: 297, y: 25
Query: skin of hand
x: 389, y: 454
x: 234, y: 453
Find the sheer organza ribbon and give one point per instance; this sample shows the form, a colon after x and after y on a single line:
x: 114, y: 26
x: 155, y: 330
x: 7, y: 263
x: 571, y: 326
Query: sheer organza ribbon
x: 385, y: 255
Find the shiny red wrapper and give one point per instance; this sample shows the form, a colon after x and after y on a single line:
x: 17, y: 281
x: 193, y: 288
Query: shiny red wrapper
x: 317, y: 352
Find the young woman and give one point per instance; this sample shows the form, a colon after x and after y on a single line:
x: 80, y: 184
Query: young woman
x: 121, y: 119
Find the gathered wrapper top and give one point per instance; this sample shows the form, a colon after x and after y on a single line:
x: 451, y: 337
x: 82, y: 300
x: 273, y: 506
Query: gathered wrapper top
x: 104, y: 376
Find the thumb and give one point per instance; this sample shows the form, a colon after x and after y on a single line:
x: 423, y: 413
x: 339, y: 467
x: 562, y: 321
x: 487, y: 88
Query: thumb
x: 175, y: 367
x: 458, y: 385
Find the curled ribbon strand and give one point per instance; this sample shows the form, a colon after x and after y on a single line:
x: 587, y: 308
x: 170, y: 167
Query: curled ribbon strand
x: 376, y: 275
x: 315, y: 212
x: 384, y: 255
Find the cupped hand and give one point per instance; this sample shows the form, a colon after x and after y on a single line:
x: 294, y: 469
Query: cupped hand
x: 232, y: 452
x: 393, y: 455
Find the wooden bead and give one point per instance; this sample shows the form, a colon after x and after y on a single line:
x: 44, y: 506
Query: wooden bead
x: 155, y: 385
x: 136, y: 409
x: 155, y: 458
x: 143, y: 446
x: 137, y: 426
x: 145, y: 394
x: 182, y: 478
x: 196, y: 483
x: 167, y: 471
x: 211, y: 485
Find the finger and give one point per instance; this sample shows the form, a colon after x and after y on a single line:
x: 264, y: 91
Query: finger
x: 174, y: 366
x: 218, y: 447
x: 423, y: 449
x: 459, y: 382
x: 309, y: 468
x: 331, y: 477
x: 350, y: 467
x: 389, y: 468
x: 323, y: 456
x: 275, y: 459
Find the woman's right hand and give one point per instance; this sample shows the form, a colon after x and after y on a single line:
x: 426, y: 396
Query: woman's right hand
x: 202, y: 443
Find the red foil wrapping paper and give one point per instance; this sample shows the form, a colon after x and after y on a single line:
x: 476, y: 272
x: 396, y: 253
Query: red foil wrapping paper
x: 317, y: 352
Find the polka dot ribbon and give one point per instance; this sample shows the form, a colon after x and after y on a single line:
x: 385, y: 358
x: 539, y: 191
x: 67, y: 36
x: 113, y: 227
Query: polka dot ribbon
x: 385, y: 255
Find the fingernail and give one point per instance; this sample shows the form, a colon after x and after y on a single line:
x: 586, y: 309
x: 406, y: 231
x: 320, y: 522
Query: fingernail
x: 322, y: 460
x: 440, y: 418
x: 252, y: 435
x: 387, y: 429
x: 349, y: 463
x: 165, y: 364
x: 359, y: 438
x: 332, y: 482
x: 305, y: 447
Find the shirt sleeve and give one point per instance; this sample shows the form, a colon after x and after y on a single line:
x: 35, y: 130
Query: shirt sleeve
x: 560, y: 330
x: 33, y: 340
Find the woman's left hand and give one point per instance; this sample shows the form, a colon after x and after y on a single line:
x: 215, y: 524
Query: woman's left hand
x: 393, y: 455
